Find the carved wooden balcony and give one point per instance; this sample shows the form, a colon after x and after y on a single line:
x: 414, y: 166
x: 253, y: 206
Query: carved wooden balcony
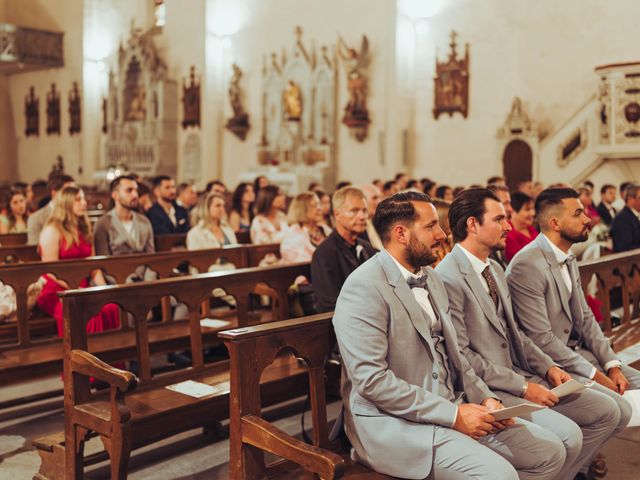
x: 23, y: 49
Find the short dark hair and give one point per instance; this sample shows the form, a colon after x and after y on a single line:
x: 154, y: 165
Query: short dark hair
x: 469, y: 203
x: 265, y: 198
x: 519, y: 200
x: 631, y: 191
x: 495, y: 179
x: 56, y: 182
x: 441, y: 190
x: 412, y: 183
x: 606, y: 187
x: 428, y: 185
x: 115, y: 183
x: 550, y: 198
x: 623, y: 187
x: 342, y: 184
x: 398, y: 208
x: 589, y: 184
x: 388, y: 184
x: 498, y: 187
x: 212, y: 183
x: 157, y: 181
x: 182, y: 187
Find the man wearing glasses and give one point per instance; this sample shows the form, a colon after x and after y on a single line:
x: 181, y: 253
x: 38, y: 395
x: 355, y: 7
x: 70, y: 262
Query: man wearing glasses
x: 625, y: 228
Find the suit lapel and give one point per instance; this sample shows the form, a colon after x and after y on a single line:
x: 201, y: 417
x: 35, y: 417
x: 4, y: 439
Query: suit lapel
x: 514, y: 335
x: 556, y: 273
x: 477, y: 289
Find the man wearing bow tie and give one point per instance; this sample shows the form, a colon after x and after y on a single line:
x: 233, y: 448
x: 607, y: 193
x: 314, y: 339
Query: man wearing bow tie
x: 500, y: 353
x: 550, y: 305
x: 413, y: 406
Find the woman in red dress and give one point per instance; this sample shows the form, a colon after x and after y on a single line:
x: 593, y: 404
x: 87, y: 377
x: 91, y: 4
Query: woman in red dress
x: 67, y: 235
x: 523, y: 231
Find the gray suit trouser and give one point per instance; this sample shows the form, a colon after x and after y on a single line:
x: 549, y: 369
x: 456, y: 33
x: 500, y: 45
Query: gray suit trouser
x: 523, y: 451
x: 583, y: 422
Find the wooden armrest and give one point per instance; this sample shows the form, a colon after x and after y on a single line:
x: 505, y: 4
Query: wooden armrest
x: 86, y: 364
x: 239, y: 334
x: 263, y: 435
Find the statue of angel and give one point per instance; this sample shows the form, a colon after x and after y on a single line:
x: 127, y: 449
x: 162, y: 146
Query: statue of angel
x: 355, y: 63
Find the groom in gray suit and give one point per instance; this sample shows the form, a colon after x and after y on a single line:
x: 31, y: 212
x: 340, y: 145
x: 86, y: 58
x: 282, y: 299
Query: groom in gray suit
x: 500, y: 353
x: 412, y: 404
x: 549, y: 302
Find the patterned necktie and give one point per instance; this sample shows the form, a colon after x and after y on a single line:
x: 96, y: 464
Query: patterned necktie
x: 420, y: 282
x: 491, y: 282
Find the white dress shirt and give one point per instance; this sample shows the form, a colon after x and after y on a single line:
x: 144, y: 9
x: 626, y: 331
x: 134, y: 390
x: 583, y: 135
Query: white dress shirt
x: 478, y: 266
x: 561, y: 257
x: 421, y: 294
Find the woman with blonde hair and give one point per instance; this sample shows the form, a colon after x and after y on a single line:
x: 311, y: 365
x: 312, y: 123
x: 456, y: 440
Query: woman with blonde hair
x: 211, y: 231
x: 305, y: 231
x: 67, y: 235
x: 15, y: 218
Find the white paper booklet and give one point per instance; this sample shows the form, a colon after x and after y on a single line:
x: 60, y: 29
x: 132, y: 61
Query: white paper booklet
x: 516, y: 411
x: 214, y: 323
x: 193, y: 389
x: 633, y: 397
x: 572, y: 386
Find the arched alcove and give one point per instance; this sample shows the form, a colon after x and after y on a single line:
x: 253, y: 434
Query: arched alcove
x: 517, y: 162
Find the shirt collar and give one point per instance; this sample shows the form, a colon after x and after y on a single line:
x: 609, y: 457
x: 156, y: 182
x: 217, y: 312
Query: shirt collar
x: 406, y: 274
x: 561, y: 256
x: 477, y: 264
x: 635, y: 212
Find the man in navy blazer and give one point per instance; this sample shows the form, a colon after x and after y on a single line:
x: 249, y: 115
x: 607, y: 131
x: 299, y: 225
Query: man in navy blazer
x: 625, y: 228
x: 166, y: 216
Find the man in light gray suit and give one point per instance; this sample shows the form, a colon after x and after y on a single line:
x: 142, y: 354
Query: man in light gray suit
x: 500, y: 353
x: 412, y: 404
x: 549, y: 302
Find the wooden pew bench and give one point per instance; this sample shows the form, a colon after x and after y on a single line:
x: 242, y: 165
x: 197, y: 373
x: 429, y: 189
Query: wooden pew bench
x: 619, y: 270
x: 19, y: 253
x: 11, y: 239
x: 251, y: 352
x: 127, y: 417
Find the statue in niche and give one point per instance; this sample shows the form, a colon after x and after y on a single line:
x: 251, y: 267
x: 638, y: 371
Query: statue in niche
x: 292, y: 102
x: 356, y: 115
x: 239, y: 123
x: 74, y: 110
x: 452, y: 82
x: 32, y: 113
x: 53, y: 111
x: 134, y: 93
x: 136, y: 109
x: 191, y: 101
x: 58, y: 167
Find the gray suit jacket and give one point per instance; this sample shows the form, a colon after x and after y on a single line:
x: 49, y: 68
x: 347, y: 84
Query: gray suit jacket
x: 390, y: 376
x: 481, y: 335
x: 111, y: 238
x: 547, y: 313
x: 36, y: 222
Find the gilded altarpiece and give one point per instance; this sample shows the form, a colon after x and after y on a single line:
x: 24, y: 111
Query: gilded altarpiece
x: 141, y: 111
x: 298, y: 124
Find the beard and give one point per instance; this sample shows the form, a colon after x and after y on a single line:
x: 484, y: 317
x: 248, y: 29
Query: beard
x: 575, y: 237
x: 419, y: 255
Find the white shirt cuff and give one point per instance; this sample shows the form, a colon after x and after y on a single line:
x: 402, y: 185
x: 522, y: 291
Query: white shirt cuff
x: 593, y: 373
x: 455, y: 418
x: 612, y: 364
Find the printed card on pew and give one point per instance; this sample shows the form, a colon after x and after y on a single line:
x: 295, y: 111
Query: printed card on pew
x: 194, y: 389
x: 633, y: 397
x: 516, y: 411
x: 572, y: 386
x: 214, y: 323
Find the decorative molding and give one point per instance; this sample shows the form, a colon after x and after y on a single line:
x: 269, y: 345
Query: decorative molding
x: 573, y: 145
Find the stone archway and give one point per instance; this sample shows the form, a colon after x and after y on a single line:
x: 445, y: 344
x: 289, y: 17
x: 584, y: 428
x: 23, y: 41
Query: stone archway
x: 517, y: 163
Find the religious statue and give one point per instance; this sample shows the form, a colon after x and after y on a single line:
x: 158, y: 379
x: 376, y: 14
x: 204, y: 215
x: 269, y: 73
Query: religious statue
x: 53, y: 111
x: 32, y: 113
x: 74, y: 110
x: 356, y: 115
x: 191, y: 101
x: 452, y: 82
x: 136, y: 109
x: 238, y: 124
x: 292, y: 102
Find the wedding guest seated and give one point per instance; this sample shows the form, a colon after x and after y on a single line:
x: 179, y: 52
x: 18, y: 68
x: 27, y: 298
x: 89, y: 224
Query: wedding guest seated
x: 187, y: 196
x: 216, y: 186
x: 241, y: 212
x: 444, y: 192
x: 325, y: 206
x: 585, y: 196
x: 37, y: 220
x: 259, y: 183
x: 523, y: 231
x: 605, y: 208
x: 145, y: 197
x: 305, y: 232
x: 15, y: 218
x: 211, y: 231
x: 270, y: 222
x: 373, y: 196
x: 166, y: 216
x: 625, y: 228
x: 67, y: 235
x: 123, y: 230
x: 343, y: 251
x: 446, y: 245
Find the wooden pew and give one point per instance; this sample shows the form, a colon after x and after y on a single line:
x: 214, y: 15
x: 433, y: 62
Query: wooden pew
x: 620, y: 270
x: 251, y: 351
x: 173, y: 241
x: 127, y: 417
x: 19, y: 253
x: 9, y: 239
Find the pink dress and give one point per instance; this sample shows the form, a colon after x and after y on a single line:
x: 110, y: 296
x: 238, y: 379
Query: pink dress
x: 48, y: 301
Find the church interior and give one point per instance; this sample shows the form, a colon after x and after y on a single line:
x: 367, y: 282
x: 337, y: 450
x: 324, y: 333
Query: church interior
x: 171, y: 167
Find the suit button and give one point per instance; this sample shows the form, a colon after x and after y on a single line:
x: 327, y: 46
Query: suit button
x: 435, y: 376
x: 566, y: 330
x: 504, y: 345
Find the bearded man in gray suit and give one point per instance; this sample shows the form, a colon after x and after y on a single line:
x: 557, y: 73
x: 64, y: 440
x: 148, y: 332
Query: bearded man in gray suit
x: 550, y: 305
x: 500, y: 353
x: 412, y: 404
